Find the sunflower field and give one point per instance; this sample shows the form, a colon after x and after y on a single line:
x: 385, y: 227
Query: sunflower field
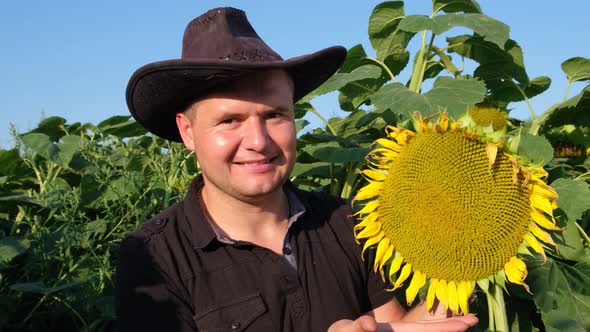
x: 463, y: 205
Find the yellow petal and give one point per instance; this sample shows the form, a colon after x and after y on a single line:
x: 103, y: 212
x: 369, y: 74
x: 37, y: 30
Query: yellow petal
x: 381, y: 249
x: 369, y: 207
x: 515, y: 270
x: 373, y: 189
x: 533, y: 243
x: 375, y: 174
x: 387, y: 143
x: 369, y: 231
x: 541, y: 189
x: 442, y: 293
x: 464, y: 291
x: 541, y: 234
x: 541, y: 203
x: 368, y: 220
x: 491, y: 152
x: 372, y: 240
x: 453, y: 300
x: 543, y: 221
x: 418, y: 281
x: 444, y: 121
x: 406, y: 270
x: 395, y: 266
x: 431, y: 293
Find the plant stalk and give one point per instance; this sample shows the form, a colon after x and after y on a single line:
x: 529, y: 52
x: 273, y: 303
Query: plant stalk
x: 498, y: 320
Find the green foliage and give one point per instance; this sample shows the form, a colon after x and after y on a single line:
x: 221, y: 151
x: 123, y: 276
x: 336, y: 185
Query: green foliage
x: 70, y: 192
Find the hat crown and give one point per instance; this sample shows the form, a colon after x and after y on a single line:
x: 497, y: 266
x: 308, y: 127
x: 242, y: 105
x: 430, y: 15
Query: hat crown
x: 225, y: 34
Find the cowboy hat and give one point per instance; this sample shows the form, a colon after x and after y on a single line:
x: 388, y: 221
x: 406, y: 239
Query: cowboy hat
x: 217, y: 46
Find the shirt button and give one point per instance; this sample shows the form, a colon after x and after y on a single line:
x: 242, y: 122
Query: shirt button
x: 235, y: 325
x: 287, y: 251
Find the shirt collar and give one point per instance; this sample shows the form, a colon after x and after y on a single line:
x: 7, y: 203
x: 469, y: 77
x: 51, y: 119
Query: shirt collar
x: 205, y: 231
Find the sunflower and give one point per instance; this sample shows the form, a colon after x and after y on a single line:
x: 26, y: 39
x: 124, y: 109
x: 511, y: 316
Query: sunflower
x: 448, y: 206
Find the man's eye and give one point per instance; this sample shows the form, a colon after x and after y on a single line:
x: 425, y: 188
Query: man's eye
x: 274, y: 115
x: 229, y: 121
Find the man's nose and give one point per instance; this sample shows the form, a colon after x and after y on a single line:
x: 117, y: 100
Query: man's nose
x: 255, y: 136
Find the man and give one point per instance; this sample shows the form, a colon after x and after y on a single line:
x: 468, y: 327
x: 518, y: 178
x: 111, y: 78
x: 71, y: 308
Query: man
x: 245, y: 250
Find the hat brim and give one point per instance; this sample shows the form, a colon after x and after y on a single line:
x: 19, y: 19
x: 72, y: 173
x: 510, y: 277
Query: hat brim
x: 157, y: 91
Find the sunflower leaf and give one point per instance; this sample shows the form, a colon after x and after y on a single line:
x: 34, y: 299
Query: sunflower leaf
x: 12, y: 246
x: 561, y: 293
x: 453, y: 6
x: 455, y: 95
x: 331, y: 152
x: 399, y: 99
x: 339, y: 80
x: 384, y: 33
x: 492, y: 30
x: 574, y: 197
x: 535, y: 149
x: 577, y: 69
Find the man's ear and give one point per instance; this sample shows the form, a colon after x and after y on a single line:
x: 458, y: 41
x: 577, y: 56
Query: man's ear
x: 184, y: 124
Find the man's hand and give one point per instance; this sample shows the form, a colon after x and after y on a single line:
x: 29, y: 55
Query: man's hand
x: 368, y: 324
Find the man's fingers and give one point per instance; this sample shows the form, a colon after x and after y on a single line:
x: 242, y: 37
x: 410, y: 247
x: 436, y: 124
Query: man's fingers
x: 454, y: 324
x: 470, y: 320
x: 361, y: 324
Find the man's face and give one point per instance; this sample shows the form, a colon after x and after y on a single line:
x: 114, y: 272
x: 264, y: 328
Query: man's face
x: 244, y: 137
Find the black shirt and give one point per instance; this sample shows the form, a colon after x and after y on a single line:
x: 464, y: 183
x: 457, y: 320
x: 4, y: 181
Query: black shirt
x: 174, y: 273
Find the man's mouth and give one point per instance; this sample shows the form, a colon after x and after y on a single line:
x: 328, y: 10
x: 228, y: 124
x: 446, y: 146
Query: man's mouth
x: 256, y: 162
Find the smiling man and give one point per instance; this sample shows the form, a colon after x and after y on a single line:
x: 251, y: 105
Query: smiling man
x: 245, y: 250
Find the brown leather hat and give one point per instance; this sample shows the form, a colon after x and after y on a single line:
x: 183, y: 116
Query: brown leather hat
x: 217, y: 46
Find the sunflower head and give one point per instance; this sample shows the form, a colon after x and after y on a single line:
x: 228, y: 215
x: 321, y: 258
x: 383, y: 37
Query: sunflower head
x: 445, y: 209
x: 487, y: 120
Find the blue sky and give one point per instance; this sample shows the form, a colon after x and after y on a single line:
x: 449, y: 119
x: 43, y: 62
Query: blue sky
x: 73, y: 58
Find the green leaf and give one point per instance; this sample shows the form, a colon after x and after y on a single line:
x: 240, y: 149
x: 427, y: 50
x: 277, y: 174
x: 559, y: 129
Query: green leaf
x: 433, y: 68
x: 577, y: 69
x: 41, y: 144
x: 39, y: 287
x: 492, y: 30
x: 484, y: 52
x: 52, y: 126
x: 561, y: 293
x: 331, y: 152
x: 68, y: 146
x: 416, y: 23
x: 114, y: 120
x: 575, y: 110
x: 357, y: 93
x: 536, y: 86
x: 301, y: 109
x: 317, y: 169
x: 10, y: 162
x: 300, y: 124
x: 11, y: 247
x: 455, y: 95
x: 385, y: 16
x: 570, y: 244
x: 396, y: 59
x: 535, y: 149
x: 453, y: 6
x: 399, y: 99
x: 384, y: 34
x: 339, y: 80
x: 574, y: 197
x: 122, y: 129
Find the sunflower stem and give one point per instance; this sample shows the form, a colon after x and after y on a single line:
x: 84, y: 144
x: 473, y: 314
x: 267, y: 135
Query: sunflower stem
x: 583, y: 234
x: 499, y: 309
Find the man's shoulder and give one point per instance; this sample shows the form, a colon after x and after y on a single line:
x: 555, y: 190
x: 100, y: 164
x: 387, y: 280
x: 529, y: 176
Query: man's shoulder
x: 325, y: 208
x: 315, y: 199
x: 157, y: 226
